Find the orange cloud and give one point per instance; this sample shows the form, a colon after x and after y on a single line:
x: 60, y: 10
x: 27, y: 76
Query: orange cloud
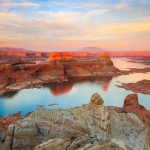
x: 111, y: 28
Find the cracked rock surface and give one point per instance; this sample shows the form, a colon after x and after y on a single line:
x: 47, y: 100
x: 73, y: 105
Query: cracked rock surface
x: 89, y: 127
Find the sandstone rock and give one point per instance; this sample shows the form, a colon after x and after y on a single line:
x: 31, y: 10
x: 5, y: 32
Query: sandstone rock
x: 83, y: 143
x: 23, y: 135
x: 82, y: 127
x: 142, y: 86
x: 59, y: 144
x: 117, y: 109
x: 96, y: 99
x: 132, y: 105
x: 5, y: 121
x: 32, y: 75
x: 89, y: 127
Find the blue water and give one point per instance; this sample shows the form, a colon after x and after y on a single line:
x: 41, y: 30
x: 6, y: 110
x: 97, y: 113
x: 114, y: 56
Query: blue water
x: 73, y: 94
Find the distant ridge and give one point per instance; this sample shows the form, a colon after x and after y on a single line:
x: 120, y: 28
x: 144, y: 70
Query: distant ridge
x: 13, y: 49
x: 92, y: 49
x: 85, y: 49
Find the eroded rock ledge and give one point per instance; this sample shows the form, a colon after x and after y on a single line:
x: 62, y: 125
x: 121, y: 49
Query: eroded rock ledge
x: 89, y: 127
x: 138, y: 87
x: 17, y: 77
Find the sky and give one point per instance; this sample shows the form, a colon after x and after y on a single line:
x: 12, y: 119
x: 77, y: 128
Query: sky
x: 72, y: 24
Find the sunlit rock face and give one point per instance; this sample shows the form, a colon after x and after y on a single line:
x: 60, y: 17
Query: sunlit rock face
x: 91, y: 126
x: 96, y: 99
x: 32, y: 74
x: 131, y: 104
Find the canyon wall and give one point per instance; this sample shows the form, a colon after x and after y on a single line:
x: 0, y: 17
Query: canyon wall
x: 18, y: 76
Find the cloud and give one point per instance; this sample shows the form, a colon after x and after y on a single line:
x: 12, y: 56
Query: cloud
x: 118, y: 28
x: 10, y: 4
x: 68, y: 25
x: 51, y: 20
x: 59, y: 25
x: 122, y: 6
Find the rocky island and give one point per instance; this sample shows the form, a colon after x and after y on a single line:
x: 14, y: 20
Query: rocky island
x: 20, y: 70
x: 15, y: 77
x: 138, y: 87
x: 90, y: 127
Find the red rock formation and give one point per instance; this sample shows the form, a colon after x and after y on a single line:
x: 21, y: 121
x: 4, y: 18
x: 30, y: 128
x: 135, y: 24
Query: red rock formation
x: 142, y: 86
x: 7, y: 120
x: 18, y: 76
x: 132, y: 105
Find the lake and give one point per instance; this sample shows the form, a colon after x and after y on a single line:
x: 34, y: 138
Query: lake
x: 73, y: 93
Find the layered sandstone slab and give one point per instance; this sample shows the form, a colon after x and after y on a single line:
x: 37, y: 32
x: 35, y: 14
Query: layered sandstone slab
x: 89, y: 127
x: 20, y: 76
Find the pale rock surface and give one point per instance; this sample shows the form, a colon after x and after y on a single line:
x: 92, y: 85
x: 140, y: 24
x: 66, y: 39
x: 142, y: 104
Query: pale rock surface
x: 89, y: 127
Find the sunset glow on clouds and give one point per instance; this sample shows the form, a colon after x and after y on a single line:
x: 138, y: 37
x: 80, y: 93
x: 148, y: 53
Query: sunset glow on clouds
x: 67, y: 24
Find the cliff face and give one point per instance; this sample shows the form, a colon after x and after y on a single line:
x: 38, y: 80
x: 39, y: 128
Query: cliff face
x: 87, y: 69
x: 132, y: 105
x: 89, y: 127
x: 16, y: 77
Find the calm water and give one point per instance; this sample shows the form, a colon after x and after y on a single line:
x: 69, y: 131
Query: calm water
x: 75, y: 93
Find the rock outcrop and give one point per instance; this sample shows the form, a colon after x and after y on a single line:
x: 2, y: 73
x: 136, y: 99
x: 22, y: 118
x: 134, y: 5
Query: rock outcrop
x: 131, y: 105
x: 15, y: 78
x: 37, y: 74
x: 5, y: 121
x: 103, y: 67
x: 138, y: 87
x: 86, y: 143
x: 96, y: 99
x: 90, y: 127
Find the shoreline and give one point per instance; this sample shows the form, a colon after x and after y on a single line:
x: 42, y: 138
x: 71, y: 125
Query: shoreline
x: 39, y: 83
x: 15, y: 78
x: 142, y: 86
x: 76, y: 125
x: 29, y: 85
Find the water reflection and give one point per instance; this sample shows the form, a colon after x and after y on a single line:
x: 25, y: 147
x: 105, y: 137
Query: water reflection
x: 105, y: 85
x: 73, y: 93
x: 66, y: 87
x: 134, y: 77
x: 10, y: 94
x: 58, y: 89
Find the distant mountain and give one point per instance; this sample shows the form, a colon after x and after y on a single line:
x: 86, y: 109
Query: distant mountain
x: 12, y: 49
x: 92, y: 49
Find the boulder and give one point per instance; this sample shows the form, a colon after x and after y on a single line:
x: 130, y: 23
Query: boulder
x: 96, y: 99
